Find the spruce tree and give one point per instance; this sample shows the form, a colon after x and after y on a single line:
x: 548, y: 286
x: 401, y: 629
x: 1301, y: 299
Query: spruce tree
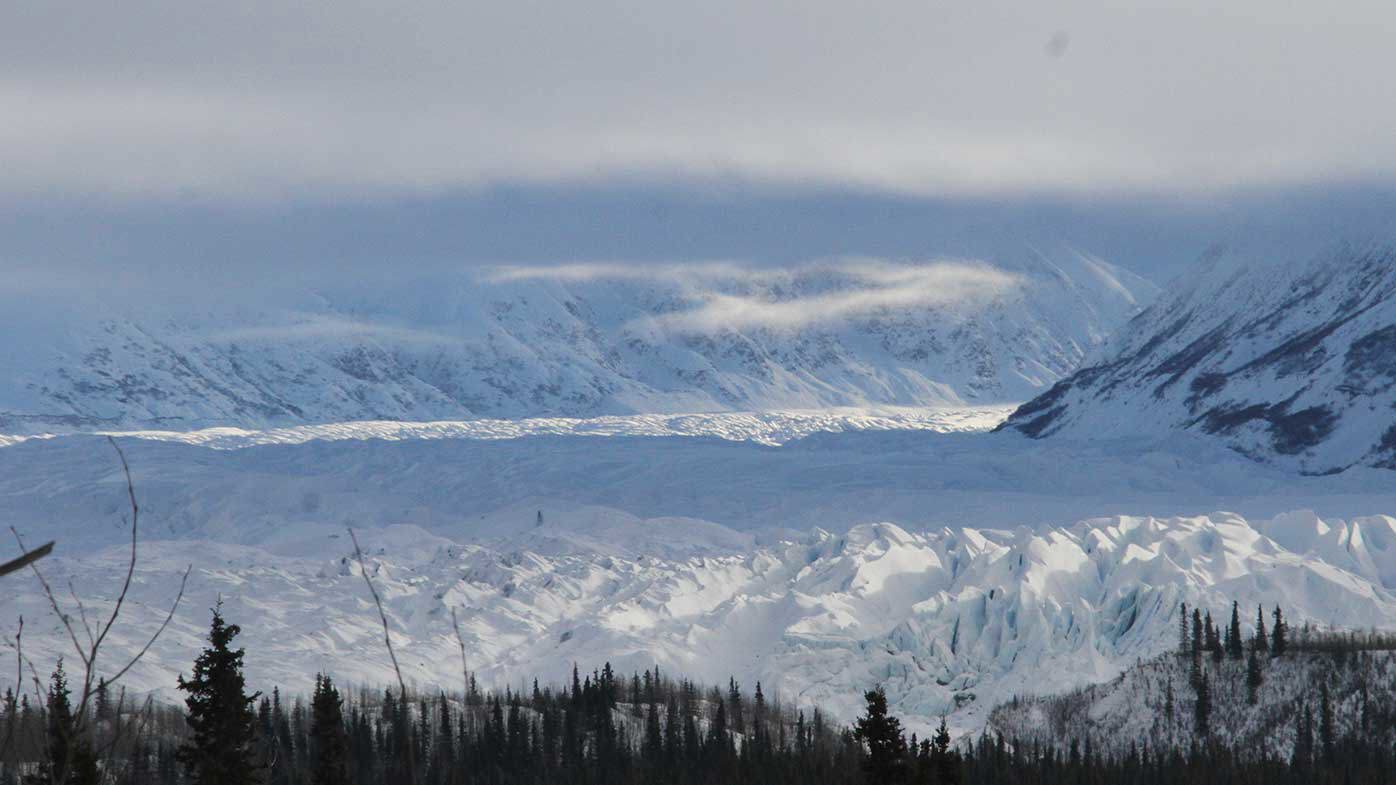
x: 1326, y: 734
x: 1184, y: 640
x: 881, y: 734
x: 673, y: 742
x: 735, y: 711
x: 1303, y: 740
x: 1214, y: 644
x: 1279, y: 634
x: 944, y: 760
x: 1202, y: 708
x: 1254, y: 677
x: 329, y: 744
x: 221, y: 722
x: 102, y: 701
x: 1261, y: 641
x: 69, y: 760
x: 1233, y: 633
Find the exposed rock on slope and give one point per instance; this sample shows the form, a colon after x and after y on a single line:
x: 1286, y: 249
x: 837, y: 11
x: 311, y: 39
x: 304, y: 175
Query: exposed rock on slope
x: 1295, y: 365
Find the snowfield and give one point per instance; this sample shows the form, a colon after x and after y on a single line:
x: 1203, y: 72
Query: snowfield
x: 950, y: 621
x: 989, y: 572
x: 770, y: 428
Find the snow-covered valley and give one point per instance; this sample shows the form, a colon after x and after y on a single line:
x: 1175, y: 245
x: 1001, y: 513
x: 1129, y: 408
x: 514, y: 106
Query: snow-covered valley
x: 880, y: 531
x: 921, y: 552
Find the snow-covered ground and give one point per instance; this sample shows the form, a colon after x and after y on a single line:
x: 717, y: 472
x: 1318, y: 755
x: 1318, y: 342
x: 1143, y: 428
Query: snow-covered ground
x: 949, y: 621
x: 767, y: 427
x: 850, y: 556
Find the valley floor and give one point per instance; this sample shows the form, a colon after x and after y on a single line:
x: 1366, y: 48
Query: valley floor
x: 818, y: 552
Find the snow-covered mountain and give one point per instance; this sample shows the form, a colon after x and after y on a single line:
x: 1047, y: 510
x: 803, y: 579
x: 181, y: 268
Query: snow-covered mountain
x: 949, y: 621
x: 1290, y: 364
x: 580, y: 340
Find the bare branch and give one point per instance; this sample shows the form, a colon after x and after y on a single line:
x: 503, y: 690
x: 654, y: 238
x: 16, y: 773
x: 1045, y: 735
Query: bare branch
x: 135, y: 525
x: 26, y: 559
x: 387, y: 638
x: 464, y: 667
x: 388, y: 641
x: 82, y: 612
x: 53, y: 601
x: 88, y: 655
x: 182, y: 581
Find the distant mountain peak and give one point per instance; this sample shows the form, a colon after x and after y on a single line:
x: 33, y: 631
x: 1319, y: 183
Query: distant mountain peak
x: 578, y: 340
x: 1292, y: 364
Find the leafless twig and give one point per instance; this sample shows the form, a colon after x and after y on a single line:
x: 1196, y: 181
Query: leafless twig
x: 387, y: 641
x: 464, y: 667
x: 89, y: 654
x: 26, y: 559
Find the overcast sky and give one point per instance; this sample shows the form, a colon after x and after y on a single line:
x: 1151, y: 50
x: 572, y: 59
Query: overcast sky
x: 277, y: 127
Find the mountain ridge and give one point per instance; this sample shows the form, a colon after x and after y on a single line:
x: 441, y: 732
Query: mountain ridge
x: 576, y: 340
x: 1290, y: 364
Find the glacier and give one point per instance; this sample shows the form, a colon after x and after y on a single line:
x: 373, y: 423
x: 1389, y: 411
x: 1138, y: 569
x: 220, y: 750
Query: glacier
x: 956, y: 568
x: 952, y: 621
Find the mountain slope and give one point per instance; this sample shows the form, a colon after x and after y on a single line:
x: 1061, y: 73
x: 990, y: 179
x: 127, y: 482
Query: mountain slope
x: 1133, y: 710
x: 575, y: 341
x: 1294, y: 365
x: 950, y: 621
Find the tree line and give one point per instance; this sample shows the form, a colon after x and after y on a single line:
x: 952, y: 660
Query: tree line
x: 605, y: 728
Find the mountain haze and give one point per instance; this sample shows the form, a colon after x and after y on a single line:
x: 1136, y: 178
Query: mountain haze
x: 578, y: 340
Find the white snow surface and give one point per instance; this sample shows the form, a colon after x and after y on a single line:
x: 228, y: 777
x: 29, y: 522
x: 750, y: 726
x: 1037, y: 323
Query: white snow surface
x: 697, y: 552
x: 770, y: 428
x: 578, y: 341
x: 1293, y: 365
x: 951, y: 620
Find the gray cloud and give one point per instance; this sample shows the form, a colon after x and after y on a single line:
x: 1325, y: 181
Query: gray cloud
x: 263, y: 99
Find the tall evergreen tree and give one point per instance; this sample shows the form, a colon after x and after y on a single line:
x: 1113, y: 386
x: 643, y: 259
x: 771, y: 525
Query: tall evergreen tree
x: 1303, y: 754
x: 222, y: 726
x: 102, y: 701
x: 329, y: 745
x: 69, y: 759
x: 944, y: 761
x: 1254, y: 677
x: 1279, y: 634
x: 654, y: 737
x: 1327, y: 736
x: 1214, y: 643
x: 735, y: 710
x: 1234, y: 647
x: 1184, y: 639
x: 1261, y: 641
x: 881, y: 734
x: 1202, y: 707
